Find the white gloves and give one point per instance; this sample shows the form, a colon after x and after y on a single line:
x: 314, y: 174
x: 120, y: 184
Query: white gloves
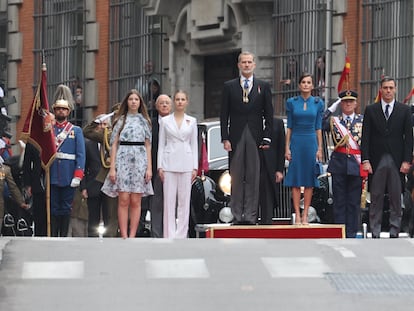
x: 103, y: 118
x: 75, y: 182
x: 333, y: 107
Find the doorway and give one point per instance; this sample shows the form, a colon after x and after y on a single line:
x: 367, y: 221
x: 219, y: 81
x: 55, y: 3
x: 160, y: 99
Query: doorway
x: 217, y: 69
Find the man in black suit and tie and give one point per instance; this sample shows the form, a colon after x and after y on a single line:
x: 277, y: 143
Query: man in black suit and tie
x: 271, y: 172
x: 246, y: 121
x: 387, y: 148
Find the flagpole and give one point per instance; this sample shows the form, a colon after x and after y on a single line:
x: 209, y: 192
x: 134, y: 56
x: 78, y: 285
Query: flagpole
x: 47, y: 175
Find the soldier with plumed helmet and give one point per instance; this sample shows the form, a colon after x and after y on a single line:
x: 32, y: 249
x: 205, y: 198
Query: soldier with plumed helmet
x: 67, y: 168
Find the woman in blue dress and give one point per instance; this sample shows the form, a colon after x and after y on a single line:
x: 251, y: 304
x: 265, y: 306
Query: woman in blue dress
x: 303, y: 144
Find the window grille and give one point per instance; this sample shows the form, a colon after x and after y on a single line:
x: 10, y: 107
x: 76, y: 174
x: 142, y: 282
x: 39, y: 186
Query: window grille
x: 59, y: 30
x: 135, y: 52
x: 387, y: 47
x: 300, y: 39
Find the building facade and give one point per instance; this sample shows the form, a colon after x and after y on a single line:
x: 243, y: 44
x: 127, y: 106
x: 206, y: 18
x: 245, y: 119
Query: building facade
x: 104, y: 48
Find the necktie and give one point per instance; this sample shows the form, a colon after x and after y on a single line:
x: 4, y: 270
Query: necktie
x: 246, y: 91
x: 348, y: 122
x: 387, y: 113
x: 246, y: 84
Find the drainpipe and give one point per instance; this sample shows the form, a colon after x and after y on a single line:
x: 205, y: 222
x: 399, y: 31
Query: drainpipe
x: 328, y: 54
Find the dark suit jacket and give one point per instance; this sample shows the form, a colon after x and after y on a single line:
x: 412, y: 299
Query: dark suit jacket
x: 235, y: 114
x: 93, y: 165
x: 274, y: 157
x: 154, y: 144
x: 33, y: 172
x: 394, y: 136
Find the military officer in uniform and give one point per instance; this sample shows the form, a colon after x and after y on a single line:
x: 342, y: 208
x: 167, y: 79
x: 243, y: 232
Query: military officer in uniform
x: 103, y: 137
x: 66, y: 171
x: 345, y: 162
x: 6, y: 176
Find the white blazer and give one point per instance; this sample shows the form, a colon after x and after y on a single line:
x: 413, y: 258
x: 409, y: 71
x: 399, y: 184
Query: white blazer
x: 178, y: 147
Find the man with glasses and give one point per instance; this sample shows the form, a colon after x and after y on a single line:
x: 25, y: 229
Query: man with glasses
x: 66, y: 171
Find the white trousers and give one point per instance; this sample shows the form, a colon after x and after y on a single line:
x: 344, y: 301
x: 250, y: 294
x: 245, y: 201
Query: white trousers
x: 176, y: 186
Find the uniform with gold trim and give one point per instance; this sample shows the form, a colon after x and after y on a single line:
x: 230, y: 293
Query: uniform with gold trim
x: 67, y: 169
x: 344, y: 167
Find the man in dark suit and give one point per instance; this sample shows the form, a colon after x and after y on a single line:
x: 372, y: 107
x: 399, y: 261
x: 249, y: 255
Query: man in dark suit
x: 345, y: 162
x: 271, y: 172
x: 387, y: 148
x: 247, y: 103
x: 163, y: 105
x: 33, y: 182
x: 90, y: 186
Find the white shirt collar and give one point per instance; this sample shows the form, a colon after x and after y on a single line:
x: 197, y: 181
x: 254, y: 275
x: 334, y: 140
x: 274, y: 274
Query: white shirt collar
x: 242, y: 78
x: 383, y: 104
x: 352, y: 116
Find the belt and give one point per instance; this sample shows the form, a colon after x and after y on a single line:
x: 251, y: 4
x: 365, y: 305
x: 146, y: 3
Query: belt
x: 132, y: 143
x: 65, y: 156
x: 347, y: 150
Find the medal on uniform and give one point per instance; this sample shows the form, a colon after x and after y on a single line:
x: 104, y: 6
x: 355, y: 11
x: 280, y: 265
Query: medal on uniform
x: 245, y: 96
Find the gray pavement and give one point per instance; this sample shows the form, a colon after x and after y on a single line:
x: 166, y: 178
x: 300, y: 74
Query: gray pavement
x: 206, y: 274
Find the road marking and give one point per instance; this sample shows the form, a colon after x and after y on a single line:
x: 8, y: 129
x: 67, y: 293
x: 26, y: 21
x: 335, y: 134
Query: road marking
x: 296, y: 267
x: 345, y: 252
x: 401, y: 265
x: 53, y: 270
x: 176, y: 269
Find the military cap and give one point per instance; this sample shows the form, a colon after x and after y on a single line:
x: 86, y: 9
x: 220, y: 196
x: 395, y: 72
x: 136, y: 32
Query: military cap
x: 348, y: 94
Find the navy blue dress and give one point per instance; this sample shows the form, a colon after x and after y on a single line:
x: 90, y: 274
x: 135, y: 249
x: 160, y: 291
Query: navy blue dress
x: 303, y: 120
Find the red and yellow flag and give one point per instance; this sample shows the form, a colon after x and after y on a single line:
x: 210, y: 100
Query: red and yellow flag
x: 38, y: 127
x: 378, y: 98
x: 411, y: 94
x: 345, y: 75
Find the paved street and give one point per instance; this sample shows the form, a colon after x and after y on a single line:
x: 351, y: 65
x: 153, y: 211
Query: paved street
x: 206, y: 274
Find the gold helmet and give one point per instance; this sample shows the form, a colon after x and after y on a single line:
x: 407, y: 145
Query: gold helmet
x: 61, y: 103
x: 63, y: 98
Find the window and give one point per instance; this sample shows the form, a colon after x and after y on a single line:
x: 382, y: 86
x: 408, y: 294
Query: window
x: 300, y: 45
x: 135, y: 52
x: 387, y: 47
x: 59, y: 35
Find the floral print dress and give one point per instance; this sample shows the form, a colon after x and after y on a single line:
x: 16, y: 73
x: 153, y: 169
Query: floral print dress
x: 131, y: 160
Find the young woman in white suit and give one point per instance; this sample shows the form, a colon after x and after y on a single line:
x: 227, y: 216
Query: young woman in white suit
x: 177, y: 165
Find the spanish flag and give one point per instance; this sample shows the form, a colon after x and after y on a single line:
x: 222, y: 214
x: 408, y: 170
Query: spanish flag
x: 345, y: 74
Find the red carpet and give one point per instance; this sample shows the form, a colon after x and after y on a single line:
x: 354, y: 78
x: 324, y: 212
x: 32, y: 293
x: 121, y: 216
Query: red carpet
x: 313, y: 231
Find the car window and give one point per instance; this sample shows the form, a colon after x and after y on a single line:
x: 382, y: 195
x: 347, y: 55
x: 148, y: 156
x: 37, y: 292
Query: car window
x: 215, y: 147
